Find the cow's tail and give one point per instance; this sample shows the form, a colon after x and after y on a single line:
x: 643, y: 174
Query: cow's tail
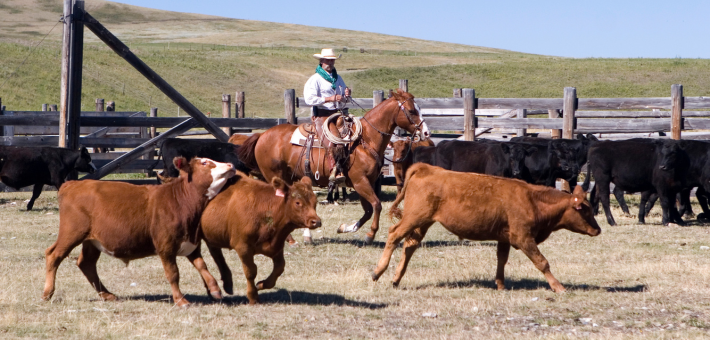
x: 395, y: 211
x: 587, y: 179
x: 246, y: 152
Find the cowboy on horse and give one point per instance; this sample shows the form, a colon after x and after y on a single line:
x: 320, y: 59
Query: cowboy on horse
x: 326, y: 92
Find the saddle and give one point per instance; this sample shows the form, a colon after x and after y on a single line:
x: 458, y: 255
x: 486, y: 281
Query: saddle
x: 310, y: 135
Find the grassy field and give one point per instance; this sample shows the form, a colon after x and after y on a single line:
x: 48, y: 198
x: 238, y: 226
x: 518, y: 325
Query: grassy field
x: 204, y: 56
x: 632, y: 281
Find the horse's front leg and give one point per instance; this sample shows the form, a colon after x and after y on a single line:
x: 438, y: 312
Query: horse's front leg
x: 371, y: 204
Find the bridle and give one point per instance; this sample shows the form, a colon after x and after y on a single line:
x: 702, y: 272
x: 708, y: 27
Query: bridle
x: 417, y: 128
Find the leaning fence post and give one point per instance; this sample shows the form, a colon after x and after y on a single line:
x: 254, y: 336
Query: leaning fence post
x: 290, y: 105
x: 676, y: 110
x: 569, y: 106
x: 239, y: 105
x: 522, y: 113
x: 226, y: 108
x: 469, y: 114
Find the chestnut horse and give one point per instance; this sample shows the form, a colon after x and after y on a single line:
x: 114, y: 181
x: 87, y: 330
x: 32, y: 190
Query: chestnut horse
x: 274, y: 155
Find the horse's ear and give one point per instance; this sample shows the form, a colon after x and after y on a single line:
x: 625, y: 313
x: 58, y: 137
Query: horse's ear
x: 391, y: 94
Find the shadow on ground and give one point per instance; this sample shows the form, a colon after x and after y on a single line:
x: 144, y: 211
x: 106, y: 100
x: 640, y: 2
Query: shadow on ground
x: 281, y: 296
x: 531, y: 284
x: 425, y: 244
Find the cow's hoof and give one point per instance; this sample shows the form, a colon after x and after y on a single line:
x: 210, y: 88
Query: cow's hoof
x: 228, y: 287
x: 375, y: 277
x: 675, y: 225
x: 182, y: 303
x: 395, y: 284
x: 47, y: 297
x: 368, y: 240
x: 107, y: 296
x: 702, y: 216
x: 217, y: 296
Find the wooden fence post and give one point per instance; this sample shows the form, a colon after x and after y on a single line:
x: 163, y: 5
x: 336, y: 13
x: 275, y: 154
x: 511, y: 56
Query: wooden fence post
x: 45, y: 107
x: 290, y: 105
x: 457, y: 93
x: 676, y: 110
x: 99, y: 105
x: 239, y: 105
x: 469, y: 114
x: 404, y: 85
x: 76, y: 57
x: 226, y: 108
x: 153, y: 114
x: 522, y: 113
x: 64, y: 91
x: 53, y: 107
x: 554, y: 133
x: 569, y: 106
x: 378, y: 96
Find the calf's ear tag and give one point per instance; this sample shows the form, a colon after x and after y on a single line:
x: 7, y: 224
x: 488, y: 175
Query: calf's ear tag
x: 279, y: 193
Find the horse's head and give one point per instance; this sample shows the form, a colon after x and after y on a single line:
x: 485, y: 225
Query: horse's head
x: 408, y: 116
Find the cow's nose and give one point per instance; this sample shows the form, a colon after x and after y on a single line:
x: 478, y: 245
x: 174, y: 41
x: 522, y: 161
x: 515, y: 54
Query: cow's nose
x: 315, y: 224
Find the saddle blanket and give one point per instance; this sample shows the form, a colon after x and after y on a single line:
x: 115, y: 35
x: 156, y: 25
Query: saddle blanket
x: 297, y: 138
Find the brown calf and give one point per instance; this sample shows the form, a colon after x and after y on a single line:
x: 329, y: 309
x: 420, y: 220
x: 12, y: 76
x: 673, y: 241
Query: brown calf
x: 134, y: 221
x: 483, y: 207
x: 253, y: 217
x: 403, y: 158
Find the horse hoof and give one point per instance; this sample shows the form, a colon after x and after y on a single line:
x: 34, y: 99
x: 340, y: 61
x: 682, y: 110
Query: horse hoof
x: 344, y: 228
x: 368, y: 240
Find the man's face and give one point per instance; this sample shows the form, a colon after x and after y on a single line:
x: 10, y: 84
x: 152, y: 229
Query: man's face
x: 327, y: 64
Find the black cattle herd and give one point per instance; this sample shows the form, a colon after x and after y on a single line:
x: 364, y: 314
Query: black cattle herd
x: 659, y: 169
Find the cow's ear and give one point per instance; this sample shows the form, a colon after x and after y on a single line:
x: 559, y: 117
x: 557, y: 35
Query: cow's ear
x: 530, y: 150
x: 505, y: 147
x: 280, y: 186
x: 83, y: 150
x: 307, y: 181
x: 592, y: 137
x: 181, y: 164
x: 578, y: 197
x: 580, y: 136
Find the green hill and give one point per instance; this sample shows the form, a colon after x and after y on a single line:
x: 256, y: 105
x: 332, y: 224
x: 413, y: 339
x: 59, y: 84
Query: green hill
x: 204, y: 56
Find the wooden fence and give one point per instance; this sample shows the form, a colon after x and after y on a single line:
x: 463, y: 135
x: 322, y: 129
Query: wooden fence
x: 462, y: 112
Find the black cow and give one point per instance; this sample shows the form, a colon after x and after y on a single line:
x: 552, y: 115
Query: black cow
x: 549, y: 162
x: 21, y: 166
x: 639, y: 166
x: 485, y: 157
x: 571, y: 153
x: 189, y: 148
x: 698, y: 176
x: 424, y: 154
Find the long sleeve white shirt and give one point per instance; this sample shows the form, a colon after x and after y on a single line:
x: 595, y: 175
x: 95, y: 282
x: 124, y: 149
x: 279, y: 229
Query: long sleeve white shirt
x: 317, y: 89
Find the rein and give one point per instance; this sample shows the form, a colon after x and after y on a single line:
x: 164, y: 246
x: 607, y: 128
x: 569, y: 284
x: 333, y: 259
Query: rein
x: 417, y: 127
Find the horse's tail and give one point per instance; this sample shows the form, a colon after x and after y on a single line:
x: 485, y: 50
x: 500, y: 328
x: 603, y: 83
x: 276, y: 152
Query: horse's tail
x: 395, y: 211
x: 246, y: 152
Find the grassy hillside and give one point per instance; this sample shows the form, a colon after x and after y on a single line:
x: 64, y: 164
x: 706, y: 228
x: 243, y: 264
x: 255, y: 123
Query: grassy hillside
x: 204, y: 56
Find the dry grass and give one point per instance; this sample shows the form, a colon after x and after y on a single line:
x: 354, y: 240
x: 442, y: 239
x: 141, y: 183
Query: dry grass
x: 632, y: 281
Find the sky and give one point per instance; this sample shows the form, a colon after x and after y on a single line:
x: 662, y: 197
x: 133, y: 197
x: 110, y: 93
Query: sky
x: 577, y: 28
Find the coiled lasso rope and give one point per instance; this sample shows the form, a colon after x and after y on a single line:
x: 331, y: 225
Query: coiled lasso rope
x: 336, y: 139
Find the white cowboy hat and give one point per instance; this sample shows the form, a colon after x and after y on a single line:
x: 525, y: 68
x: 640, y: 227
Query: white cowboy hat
x: 326, y: 53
